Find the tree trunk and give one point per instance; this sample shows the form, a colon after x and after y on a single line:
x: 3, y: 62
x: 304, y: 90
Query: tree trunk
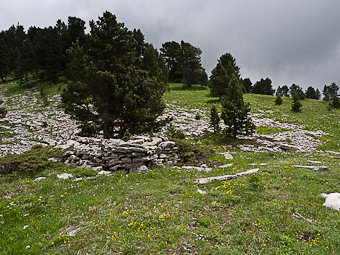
x: 107, y: 133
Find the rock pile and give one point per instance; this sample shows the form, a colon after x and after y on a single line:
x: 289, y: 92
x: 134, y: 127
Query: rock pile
x: 26, y: 124
x: 135, y: 155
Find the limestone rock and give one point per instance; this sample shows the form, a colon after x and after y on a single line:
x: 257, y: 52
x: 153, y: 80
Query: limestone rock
x: 64, y: 176
x: 227, y: 155
x: 315, y: 168
x: 332, y: 200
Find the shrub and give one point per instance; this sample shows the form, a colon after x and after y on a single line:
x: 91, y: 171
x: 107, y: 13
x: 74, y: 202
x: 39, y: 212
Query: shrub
x: 278, y: 100
x: 83, y: 172
x: 190, y: 153
x: 198, y: 117
x: 31, y: 161
x: 335, y: 103
x: 3, y: 112
x: 174, y: 133
x: 127, y: 135
x: 255, y: 181
x: 214, y: 119
x: 296, y: 105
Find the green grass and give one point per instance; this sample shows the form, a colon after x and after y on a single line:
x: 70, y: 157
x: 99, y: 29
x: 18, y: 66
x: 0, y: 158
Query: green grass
x: 277, y: 211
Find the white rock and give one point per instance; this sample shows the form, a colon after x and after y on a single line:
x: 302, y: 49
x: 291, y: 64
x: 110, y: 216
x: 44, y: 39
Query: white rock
x: 74, y: 232
x: 39, y: 179
x: 142, y: 169
x: 332, y: 200
x: 104, y: 172
x: 314, y: 162
x: 227, y: 155
x: 226, y: 166
x: 315, y: 168
x: 65, y: 176
x: 201, y: 191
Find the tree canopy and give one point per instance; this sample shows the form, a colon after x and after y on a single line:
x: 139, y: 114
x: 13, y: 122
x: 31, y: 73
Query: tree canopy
x: 184, y: 63
x: 225, y: 70
x: 117, y: 81
x: 235, y: 112
x: 264, y: 87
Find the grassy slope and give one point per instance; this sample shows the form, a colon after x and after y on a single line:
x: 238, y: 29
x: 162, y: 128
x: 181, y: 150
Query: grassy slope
x: 161, y: 212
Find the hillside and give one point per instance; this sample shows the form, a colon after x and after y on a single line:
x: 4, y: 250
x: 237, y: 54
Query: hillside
x: 278, y: 210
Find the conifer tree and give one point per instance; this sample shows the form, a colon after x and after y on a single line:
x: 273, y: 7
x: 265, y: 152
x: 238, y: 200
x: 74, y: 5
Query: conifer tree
x: 278, y: 99
x: 311, y: 93
x: 248, y: 85
x: 222, y: 74
x: 296, y: 104
x: 4, y: 60
x: 235, y: 113
x: 263, y: 87
x: 214, y: 119
x: 117, y: 84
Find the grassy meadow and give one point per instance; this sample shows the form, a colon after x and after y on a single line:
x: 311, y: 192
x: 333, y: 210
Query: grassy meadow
x: 276, y: 211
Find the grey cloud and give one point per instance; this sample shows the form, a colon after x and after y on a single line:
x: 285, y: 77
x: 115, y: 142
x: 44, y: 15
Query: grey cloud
x: 288, y: 41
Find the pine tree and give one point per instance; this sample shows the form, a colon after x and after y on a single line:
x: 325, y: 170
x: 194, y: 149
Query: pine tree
x: 214, y: 119
x: 285, y: 91
x: 296, y: 104
x: 115, y: 87
x: 4, y: 60
x: 318, y: 94
x: 222, y: 74
x: 184, y: 63
x: 335, y: 103
x: 190, y: 63
x: 263, y: 87
x: 170, y: 52
x: 248, y: 85
x: 297, y: 89
x: 278, y: 99
x: 235, y: 113
x: 311, y: 93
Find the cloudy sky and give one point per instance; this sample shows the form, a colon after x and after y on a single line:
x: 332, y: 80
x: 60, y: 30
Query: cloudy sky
x: 289, y: 41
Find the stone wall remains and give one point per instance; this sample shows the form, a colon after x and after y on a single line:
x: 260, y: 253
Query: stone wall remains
x: 136, y: 155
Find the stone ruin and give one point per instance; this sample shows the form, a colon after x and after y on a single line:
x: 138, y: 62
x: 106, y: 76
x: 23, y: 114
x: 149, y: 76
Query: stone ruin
x: 136, y: 155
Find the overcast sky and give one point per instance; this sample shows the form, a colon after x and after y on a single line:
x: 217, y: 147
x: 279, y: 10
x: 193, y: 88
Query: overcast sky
x: 289, y: 41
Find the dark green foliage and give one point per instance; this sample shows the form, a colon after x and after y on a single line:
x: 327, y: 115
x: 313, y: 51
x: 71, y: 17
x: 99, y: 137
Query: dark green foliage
x: 296, y: 104
x: 235, y: 111
x: 311, y: 93
x: 318, y: 94
x: 4, y: 60
x: 299, y: 92
x: 170, y: 52
x: 247, y: 84
x: 44, y: 95
x: 127, y: 135
x: 278, y: 99
x: 190, y: 153
x: 190, y: 63
x: 335, y: 103
x: 214, y: 119
x: 285, y: 91
x: 3, y: 112
x: 222, y: 74
x: 264, y: 87
x: 184, y: 63
x: 330, y: 92
x: 117, y: 81
x: 197, y: 117
x: 39, y: 51
x: 174, y: 133
x: 80, y: 172
x: 31, y: 161
x: 255, y: 181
